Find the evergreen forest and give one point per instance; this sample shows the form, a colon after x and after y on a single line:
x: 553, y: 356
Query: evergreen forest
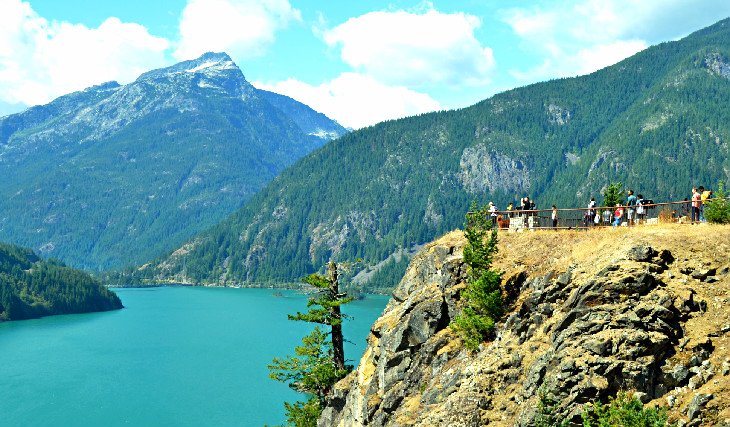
x: 31, y: 287
x: 657, y: 122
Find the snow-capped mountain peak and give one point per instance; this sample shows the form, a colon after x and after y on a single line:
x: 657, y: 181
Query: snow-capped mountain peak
x: 210, y: 64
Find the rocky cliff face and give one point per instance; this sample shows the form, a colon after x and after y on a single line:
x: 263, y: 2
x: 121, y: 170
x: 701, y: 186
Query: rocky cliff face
x: 590, y: 314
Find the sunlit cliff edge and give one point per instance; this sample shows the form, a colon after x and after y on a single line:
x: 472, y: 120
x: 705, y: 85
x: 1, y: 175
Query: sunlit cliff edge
x: 589, y: 314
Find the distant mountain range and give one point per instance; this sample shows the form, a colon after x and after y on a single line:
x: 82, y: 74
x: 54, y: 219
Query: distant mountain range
x: 118, y: 174
x: 658, y: 121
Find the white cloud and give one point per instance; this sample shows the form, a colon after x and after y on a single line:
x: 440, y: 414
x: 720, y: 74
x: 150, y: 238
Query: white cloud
x: 356, y: 100
x: 603, y: 55
x: 40, y: 60
x: 584, y: 36
x: 414, y: 49
x: 242, y: 28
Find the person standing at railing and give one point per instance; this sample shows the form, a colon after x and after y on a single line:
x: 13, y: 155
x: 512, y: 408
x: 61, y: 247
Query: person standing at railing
x: 592, y: 210
x: 640, y: 209
x: 607, y: 216
x: 705, y: 195
x: 631, y: 204
x: 493, y: 214
x: 617, y: 215
x: 554, y: 217
x: 524, y: 206
x: 696, y: 203
x: 535, y: 215
x: 587, y: 221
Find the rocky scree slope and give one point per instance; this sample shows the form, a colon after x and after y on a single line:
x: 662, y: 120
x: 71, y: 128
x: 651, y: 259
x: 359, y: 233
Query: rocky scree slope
x: 657, y: 121
x: 589, y: 314
x: 118, y: 174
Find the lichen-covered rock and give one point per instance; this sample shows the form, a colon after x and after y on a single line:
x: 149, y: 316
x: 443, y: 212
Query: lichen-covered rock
x: 581, y: 333
x: 410, y: 335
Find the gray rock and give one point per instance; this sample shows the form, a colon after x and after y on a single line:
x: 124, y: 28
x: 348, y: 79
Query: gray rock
x: 424, y: 321
x: 675, y: 376
x: 643, y: 397
x: 699, y: 401
x: 666, y: 256
x: 598, y: 347
x: 641, y: 253
x: 700, y: 274
x: 564, y: 279
x: 608, y: 269
x: 671, y: 400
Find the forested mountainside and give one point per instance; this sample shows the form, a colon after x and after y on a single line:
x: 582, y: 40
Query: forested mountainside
x: 31, y: 287
x: 117, y: 174
x: 658, y: 121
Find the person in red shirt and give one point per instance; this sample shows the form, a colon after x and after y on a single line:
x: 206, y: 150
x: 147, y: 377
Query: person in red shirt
x: 696, y: 202
x: 617, y: 215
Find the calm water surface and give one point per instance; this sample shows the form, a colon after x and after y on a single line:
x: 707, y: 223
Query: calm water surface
x: 173, y: 357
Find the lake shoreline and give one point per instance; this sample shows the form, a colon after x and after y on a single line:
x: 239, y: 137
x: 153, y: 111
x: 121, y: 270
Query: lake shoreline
x: 282, y: 287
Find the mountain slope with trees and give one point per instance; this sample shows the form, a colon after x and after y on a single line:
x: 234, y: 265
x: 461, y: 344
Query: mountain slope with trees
x: 657, y: 121
x: 31, y: 287
x: 117, y: 174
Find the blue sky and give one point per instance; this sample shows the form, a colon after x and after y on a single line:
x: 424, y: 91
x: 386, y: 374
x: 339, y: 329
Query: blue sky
x: 359, y: 62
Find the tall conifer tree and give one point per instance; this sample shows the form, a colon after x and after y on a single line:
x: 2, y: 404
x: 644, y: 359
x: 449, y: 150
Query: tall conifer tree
x: 318, y: 363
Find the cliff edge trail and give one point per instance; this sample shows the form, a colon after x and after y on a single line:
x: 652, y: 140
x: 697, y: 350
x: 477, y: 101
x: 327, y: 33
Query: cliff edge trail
x: 589, y: 314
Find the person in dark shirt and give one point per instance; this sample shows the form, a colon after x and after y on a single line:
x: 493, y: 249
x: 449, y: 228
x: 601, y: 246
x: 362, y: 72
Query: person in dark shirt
x: 631, y: 207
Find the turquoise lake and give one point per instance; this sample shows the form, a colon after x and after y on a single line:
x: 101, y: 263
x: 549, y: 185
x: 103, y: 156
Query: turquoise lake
x: 174, y: 356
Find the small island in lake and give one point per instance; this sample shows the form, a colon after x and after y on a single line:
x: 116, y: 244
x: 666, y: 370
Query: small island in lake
x: 31, y: 287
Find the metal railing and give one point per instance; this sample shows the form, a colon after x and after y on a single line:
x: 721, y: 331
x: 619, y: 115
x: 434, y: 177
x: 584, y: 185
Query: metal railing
x: 585, y: 218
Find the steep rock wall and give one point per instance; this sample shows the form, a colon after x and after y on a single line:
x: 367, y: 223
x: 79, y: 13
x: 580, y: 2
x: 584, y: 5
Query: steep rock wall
x: 590, y: 314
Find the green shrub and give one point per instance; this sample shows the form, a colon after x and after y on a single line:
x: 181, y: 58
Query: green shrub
x: 717, y: 210
x: 472, y: 327
x: 303, y: 414
x: 625, y: 410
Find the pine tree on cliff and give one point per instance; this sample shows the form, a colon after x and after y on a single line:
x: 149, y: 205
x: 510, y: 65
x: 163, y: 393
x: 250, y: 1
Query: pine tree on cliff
x: 329, y: 300
x: 319, y: 362
x: 483, y: 304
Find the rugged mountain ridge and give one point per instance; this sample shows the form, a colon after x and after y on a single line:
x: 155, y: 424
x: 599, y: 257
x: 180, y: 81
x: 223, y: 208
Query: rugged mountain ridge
x: 590, y: 314
x: 117, y: 174
x: 656, y: 121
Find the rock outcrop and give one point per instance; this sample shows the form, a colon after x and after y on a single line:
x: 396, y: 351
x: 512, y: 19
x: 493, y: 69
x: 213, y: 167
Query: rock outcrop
x: 484, y: 170
x: 590, y: 315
